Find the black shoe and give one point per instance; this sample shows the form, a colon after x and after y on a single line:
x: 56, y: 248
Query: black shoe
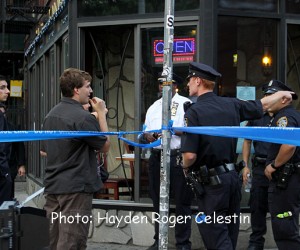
x: 154, y: 246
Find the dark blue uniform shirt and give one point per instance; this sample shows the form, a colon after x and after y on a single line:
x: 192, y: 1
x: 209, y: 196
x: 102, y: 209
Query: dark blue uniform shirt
x: 213, y: 110
x: 261, y: 148
x: 286, y: 117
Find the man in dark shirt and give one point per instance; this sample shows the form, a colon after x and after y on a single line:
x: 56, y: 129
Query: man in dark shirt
x: 214, y: 157
x: 17, y: 155
x: 5, y: 177
x: 71, y: 170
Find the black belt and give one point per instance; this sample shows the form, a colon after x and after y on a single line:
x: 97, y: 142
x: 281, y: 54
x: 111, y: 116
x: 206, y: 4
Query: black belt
x: 260, y: 160
x: 222, y: 169
x: 157, y: 151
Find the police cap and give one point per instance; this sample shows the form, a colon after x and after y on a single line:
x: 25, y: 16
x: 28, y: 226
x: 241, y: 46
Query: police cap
x: 203, y: 71
x: 175, y: 79
x: 274, y: 86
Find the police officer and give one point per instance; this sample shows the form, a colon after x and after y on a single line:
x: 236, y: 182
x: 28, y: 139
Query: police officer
x: 178, y: 187
x: 213, y: 157
x: 283, y: 165
x: 259, y: 191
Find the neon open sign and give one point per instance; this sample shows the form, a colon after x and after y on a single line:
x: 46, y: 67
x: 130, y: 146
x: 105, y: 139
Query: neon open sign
x: 183, y: 50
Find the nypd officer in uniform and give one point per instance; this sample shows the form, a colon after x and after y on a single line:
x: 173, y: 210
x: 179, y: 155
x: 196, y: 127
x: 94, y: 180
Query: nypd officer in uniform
x: 259, y: 192
x: 213, y: 157
x: 178, y: 187
x: 283, y: 171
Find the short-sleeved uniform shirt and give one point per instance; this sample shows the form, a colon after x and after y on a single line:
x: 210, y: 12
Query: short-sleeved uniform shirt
x: 286, y: 117
x: 260, y: 147
x: 213, y: 110
x: 153, y: 119
x: 71, y: 163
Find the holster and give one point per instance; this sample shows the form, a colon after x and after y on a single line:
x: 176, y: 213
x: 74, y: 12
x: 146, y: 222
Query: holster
x: 194, y: 181
x: 259, y: 161
x: 282, y: 175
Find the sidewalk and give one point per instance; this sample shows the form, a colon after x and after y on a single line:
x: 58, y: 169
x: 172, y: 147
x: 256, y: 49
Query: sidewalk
x: 21, y: 195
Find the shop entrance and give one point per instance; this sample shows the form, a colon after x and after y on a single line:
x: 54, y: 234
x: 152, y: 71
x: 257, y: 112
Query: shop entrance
x: 125, y: 61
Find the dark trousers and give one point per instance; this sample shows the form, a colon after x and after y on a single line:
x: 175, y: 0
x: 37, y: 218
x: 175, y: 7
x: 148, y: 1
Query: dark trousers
x: 258, y: 203
x: 5, y: 188
x: 68, y: 214
x: 221, y: 201
x: 181, y: 192
x: 285, y: 230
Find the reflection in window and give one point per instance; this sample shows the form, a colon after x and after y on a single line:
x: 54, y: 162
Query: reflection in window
x: 126, y: 7
x: 257, y: 5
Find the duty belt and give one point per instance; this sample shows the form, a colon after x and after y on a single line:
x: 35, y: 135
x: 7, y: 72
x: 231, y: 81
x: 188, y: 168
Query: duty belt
x: 260, y: 159
x: 221, y: 169
x: 157, y: 151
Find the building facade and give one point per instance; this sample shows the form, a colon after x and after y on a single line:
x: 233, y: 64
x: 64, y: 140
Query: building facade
x: 120, y: 44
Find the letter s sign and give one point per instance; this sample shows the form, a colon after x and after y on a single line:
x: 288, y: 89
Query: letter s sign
x: 170, y: 22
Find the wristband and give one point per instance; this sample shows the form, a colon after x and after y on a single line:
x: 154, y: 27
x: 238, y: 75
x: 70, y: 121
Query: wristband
x: 273, y: 165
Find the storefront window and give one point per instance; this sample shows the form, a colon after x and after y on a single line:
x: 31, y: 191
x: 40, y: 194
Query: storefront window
x: 241, y: 53
x: 292, y: 6
x: 242, y: 45
x: 293, y: 62
x: 126, y: 7
x: 153, y: 63
x: 184, y: 51
x: 254, y: 5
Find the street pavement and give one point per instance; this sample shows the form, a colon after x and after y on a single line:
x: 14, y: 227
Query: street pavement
x: 21, y: 195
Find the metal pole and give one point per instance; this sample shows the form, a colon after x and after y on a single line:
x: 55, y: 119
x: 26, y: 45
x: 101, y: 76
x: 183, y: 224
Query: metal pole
x: 166, y: 116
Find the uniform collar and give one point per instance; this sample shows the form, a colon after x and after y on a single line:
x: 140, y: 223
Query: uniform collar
x: 205, y: 96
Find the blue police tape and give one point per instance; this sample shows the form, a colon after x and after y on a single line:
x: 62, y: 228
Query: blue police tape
x: 268, y: 134
x: 284, y: 135
x: 14, y: 136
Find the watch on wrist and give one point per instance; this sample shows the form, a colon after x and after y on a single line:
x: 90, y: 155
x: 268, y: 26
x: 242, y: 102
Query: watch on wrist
x: 273, y: 164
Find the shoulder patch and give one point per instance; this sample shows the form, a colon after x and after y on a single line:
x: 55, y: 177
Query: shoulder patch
x: 282, y: 122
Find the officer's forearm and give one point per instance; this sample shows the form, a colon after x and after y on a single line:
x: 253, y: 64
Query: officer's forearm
x: 284, y: 155
x: 276, y: 101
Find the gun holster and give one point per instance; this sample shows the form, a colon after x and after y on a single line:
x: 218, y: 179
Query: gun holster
x: 282, y: 175
x: 193, y: 180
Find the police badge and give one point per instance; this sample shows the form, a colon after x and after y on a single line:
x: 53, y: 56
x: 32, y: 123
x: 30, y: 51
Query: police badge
x: 282, y: 122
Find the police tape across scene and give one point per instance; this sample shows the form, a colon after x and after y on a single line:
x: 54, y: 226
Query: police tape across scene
x: 281, y: 135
